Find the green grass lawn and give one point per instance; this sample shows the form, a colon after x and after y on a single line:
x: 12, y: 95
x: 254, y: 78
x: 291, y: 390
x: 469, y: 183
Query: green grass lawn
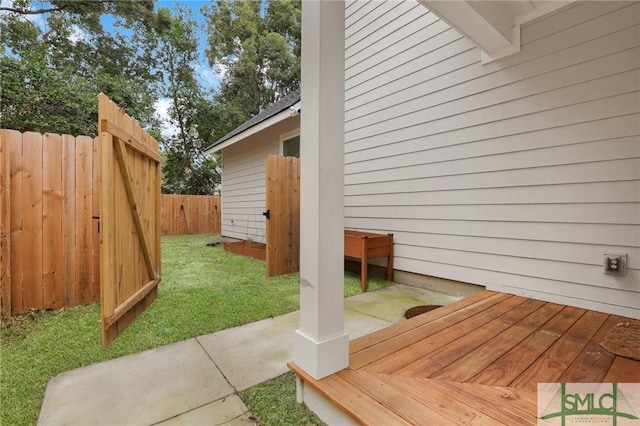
x: 203, y: 289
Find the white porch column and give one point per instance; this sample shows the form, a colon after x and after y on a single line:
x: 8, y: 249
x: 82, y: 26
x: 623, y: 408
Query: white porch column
x: 321, y: 346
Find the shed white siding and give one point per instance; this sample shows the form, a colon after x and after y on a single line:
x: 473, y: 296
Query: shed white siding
x: 244, y: 181
x: 519, y: 174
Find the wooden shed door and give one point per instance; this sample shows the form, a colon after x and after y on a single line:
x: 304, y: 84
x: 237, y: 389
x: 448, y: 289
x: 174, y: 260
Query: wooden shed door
x: 129, y: 219
x: 283, y: 220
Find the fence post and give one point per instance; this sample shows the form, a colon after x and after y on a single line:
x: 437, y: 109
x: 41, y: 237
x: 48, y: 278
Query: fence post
x: 5, y: 228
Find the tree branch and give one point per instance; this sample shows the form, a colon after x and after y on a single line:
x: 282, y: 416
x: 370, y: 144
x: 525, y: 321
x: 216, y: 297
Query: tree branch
x: 60, y: 8
x: 30, y: 11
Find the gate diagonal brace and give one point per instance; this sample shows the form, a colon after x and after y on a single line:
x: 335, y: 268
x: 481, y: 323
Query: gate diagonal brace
x: 122, y: 157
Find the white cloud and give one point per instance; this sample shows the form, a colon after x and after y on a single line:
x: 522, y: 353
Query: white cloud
x: 221, y: 71
x: 209, y: 77
x: 77, y: 34
x: 167, y: 127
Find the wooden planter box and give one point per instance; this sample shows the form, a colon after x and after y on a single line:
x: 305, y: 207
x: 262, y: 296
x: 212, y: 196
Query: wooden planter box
x: 365, y: 246
x: 246, y: 248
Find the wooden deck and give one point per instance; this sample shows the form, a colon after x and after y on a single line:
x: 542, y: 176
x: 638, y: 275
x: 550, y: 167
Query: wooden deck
x: 476, y: 361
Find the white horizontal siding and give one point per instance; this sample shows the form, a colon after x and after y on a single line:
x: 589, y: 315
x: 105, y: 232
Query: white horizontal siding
x: 580, y: 77
x: 358, y: 23
x: 559, y: 251
x: 605, y: 235
x: 596, y: 151
x: 589, y: 10
x: 243, y: 189
x: 385, y: 36
x: 594, y: 192
x: 610, y: 213
x: 416, y: 85
x: 600, y: 171
x: 598, y: 298
x: 519, y: 174
x: 418, y: 151
x: 243, y: 182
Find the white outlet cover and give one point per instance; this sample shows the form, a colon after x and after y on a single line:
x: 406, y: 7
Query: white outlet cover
x: 622, y: 267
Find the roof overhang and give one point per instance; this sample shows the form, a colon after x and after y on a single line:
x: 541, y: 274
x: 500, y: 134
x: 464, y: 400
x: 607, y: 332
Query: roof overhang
x: 281, y: 116
x: 493, y: 25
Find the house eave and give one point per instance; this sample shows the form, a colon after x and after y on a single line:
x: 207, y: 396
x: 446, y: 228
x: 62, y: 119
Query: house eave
x: 492, y: 25
x: 281, y: 116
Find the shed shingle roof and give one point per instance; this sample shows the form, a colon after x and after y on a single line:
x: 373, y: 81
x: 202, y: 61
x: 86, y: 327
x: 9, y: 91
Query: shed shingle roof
x: 273, y: 109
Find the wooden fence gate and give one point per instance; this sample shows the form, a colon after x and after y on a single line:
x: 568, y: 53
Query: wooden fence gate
x: 129, y: 219
x: 283, y: 215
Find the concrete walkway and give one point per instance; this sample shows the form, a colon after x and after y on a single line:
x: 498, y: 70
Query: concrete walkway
x: 195, y: 382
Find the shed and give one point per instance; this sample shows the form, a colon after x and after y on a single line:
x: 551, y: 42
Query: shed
x: 274, y: 131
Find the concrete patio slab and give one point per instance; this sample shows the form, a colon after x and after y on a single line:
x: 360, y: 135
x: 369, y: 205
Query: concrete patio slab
x: 262, y: 349
x: 194, y: 381
x: 357, y: 324
x: 255, y: 352
x: 222, y: 412
x: 144, y: 388
x: 390, y: 303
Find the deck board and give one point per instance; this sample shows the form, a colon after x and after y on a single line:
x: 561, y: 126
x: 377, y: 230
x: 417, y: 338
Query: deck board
x: 593, y: 362
x: 556, y: 360
x: 432, y: 397
x: 441, y: 334
x: 374, y: 346
x: 464, y: 369
x: 351, y: 399
x: 465, y: 345
x: 508, y: 367
x: 394, y: 400
x: 623, y: 370
x: 377, y: 337
x: 477, y: 361
x: 504, y: 405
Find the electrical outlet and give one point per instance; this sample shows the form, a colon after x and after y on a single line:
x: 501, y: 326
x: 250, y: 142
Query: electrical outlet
x: 615, y: 264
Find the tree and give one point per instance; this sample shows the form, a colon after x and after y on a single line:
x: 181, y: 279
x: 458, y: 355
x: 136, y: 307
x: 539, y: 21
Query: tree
x: 257, y: 49
x: 185, y: 170
x: 51, y: 74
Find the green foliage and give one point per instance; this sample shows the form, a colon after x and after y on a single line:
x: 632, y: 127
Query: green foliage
x: 37, y: 98
x: 258, y: 53
x: 274, y: 403
x: 182, y: 175
x: 52, y: 74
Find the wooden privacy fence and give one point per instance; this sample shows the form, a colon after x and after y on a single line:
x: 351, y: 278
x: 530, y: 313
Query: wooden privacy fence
x: 190, y: 214
x: 50, y: 240
x: 49, y: 220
